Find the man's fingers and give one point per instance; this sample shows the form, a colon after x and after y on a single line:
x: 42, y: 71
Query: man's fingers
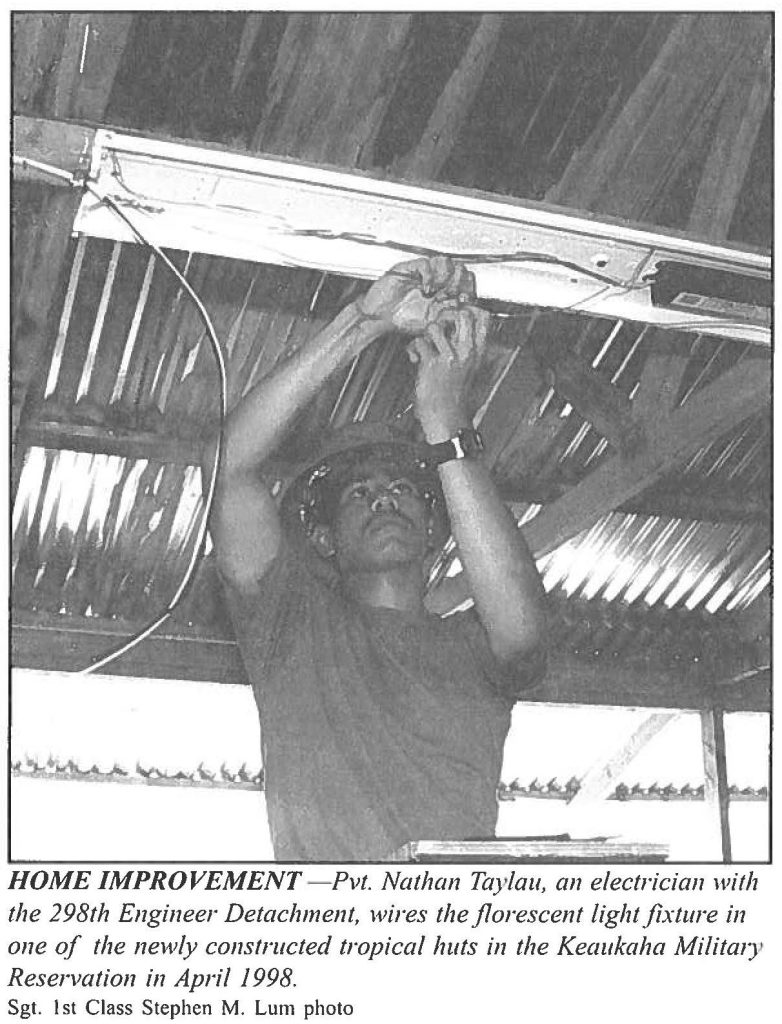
x: 464, y: 283
x: 464, y: 333
x: 420, y: 350
x: 464, y: 328
x: 443, y: 270
x: 469, y: 283
x: 438, y: 335
x: 440, y: 277
x: 482, y: 321
x: 417, y: 271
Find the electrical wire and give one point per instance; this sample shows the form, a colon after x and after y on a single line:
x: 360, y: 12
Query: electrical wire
x: 208, y: 497
x: 27, y: 162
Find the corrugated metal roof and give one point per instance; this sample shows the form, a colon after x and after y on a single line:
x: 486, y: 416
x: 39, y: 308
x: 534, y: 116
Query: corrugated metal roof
x: 656, y: 560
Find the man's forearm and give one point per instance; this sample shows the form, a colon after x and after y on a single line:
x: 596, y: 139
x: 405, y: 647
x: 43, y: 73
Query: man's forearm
x: 504, y: 581
x: 258, y: 423
x: 503, y: 578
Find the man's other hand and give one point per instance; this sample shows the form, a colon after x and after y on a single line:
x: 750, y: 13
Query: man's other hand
x: 408, y: 296
x: 447, y: 355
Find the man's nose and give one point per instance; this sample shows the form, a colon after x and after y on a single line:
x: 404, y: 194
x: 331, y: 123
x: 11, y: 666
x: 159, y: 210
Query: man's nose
x: 384, y: 501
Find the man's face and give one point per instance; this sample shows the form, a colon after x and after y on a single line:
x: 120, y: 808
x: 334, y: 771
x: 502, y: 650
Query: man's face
x: 381, y: 521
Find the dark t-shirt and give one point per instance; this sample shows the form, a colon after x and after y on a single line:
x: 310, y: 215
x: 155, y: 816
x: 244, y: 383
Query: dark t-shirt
x: 378, y: 727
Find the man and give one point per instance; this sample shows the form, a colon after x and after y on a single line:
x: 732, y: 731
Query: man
x: 381, y: 723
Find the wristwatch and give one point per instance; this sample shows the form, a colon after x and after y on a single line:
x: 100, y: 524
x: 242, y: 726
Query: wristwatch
x: 467, y: 444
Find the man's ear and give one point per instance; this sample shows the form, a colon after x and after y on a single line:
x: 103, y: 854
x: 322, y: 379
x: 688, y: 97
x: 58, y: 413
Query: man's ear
x: 323, y: 540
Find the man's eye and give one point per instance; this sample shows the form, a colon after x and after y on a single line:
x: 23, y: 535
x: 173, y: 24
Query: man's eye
x: 402, y: 487
x: 358, y: 492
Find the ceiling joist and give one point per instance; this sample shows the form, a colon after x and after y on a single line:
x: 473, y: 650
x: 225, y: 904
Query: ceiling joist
x: 47, y: 642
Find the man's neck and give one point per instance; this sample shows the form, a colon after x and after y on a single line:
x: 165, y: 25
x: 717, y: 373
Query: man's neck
x: 400, y: 587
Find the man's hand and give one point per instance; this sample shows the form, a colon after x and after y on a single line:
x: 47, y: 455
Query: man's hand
x: 409, y: 296
x: 448, y: 354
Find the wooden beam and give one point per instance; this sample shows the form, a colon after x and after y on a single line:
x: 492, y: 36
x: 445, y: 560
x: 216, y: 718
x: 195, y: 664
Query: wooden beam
x: 33, y: 337
x: 602, y: 778
x: 716, y: 790
x: 707, y: 508
x: 711, y: 412
x: 602, y: 404
x: 572, y: 680
x: 511, y: 402
x: 736, y: 132
x: 718, y: 194
x: 333, y: 79
x: 59, y: 143
x: 665, y: 120
x: 426, y: 161
x: 136, y: 444
x: 37, y: 38
x: 40, y: 641
x: 253, y: 22
x: 662, y: 374
x: 91, y: 53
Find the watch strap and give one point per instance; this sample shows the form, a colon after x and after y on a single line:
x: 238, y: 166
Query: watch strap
x: 466, y: 444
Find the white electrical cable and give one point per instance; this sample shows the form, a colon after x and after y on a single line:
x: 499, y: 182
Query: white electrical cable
x: 210, y: 493
x: 198, y: 546
x: 27, y: 162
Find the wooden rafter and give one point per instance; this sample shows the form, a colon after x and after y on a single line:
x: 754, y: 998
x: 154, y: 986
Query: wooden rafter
x: 662, y: 374
x: 330, y: 110
x: 736, y: 133
x: 253, y: 24
x: 602, y: 404
x: 47, y: 642
x: 722, y: 178
x: 712, y: 411
x: 426, y: 161
x: 92, y: 51
x: 667, y: 117
x: 602, y: 777
x: 83, y: 75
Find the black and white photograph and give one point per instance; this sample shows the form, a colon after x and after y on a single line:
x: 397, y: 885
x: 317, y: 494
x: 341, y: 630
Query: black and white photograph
x: 391, y: 436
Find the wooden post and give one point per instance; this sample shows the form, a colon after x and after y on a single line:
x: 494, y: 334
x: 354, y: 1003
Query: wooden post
x: 716, y: 776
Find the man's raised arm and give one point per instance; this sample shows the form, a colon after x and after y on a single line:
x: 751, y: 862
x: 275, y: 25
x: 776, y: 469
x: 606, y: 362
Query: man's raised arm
x: 245, y: 525
x: 502, y: 575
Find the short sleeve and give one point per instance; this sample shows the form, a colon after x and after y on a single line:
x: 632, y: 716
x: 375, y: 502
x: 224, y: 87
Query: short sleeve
x: 265, y: 621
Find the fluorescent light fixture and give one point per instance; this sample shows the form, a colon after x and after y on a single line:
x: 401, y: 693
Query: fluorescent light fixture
x: 286, y: 213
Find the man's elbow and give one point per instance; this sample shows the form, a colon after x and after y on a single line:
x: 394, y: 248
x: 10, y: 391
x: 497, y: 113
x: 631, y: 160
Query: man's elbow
x: 522, y: 654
